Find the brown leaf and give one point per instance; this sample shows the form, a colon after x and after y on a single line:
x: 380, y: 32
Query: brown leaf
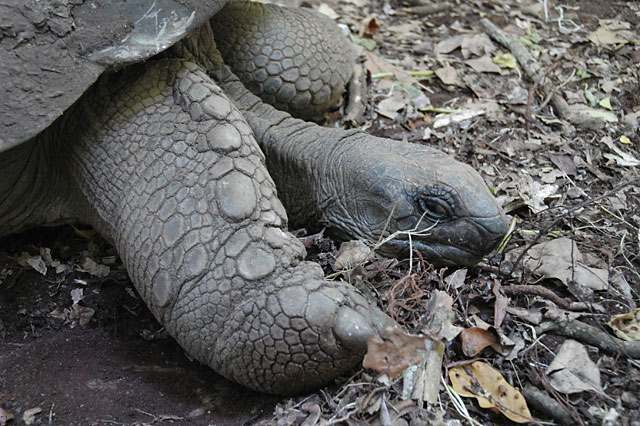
x: 369, y: 27
x: 393, y: 354
x: 483, y: 64
x: 448, y: 75
x: 5, y: 416
x: 93, y: 268
x: 603, y: 36
x: 481, y: 381
x: 475, y: 339
x: 448, y: 45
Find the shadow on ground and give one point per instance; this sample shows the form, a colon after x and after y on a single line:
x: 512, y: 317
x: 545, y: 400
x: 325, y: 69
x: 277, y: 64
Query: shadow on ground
x: 105, y: 372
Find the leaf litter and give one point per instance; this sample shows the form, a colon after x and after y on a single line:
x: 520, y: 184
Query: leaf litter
x: 570, y: 183
x: 557, y: 141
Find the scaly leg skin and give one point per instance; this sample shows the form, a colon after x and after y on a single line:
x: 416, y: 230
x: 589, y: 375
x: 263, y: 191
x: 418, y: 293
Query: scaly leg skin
x: 172, y: 175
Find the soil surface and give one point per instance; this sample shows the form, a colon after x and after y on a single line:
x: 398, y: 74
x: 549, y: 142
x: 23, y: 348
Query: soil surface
x: 78, y: 346
x: 120, y: 368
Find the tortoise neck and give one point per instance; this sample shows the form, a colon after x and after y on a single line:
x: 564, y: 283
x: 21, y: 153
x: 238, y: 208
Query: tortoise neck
x: 34, y: 188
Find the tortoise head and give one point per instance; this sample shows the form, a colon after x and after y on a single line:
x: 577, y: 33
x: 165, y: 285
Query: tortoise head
x: 432, y: 204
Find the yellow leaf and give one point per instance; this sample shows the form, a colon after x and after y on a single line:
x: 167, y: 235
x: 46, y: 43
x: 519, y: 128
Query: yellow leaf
x: 625, y: 140
x: 481, y: 381
x: 626, y: 326
x: 505, y: 60
x: 606, y: 103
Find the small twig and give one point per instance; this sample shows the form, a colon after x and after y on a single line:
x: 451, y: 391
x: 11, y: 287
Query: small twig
x: 532, y: 91
x: 536, y: 290
x: 555, y: 90
x: 543, y: 402
x: 592, y: 336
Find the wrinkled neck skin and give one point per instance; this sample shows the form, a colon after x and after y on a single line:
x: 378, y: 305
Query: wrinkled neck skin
x: 34, y: 189
x: 366, y: 187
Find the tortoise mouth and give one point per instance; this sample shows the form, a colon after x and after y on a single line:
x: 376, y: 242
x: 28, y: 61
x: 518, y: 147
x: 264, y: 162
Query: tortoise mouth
x: 463, y: 242
x: 437, y: 253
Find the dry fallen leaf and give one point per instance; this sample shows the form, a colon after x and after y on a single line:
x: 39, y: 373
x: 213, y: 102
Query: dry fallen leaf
x: 448, y: 75
x: 626, y: 326
x: 481, y: 381
x: 623, y: 159
x: 476, y: 45
x: 456, y: 279
x: 368, y: 27
x: 94, y: 268
x: 5, y: 416
x: 561, y: 259
x: 36, y: 262
x: 351, y: 254
x: 603, y: 36
x: 326, y: 10
x: 483, y: 64
x: 82, y: 313
x: 475, y: 339
x: 393, y: 354
x: 500, y: 308
x: 29, y: 415
x: 572, y: 370
x: 534, y: 194
x: 448, y: 45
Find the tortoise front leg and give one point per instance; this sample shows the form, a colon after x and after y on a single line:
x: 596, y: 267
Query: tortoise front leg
x: 173, y: 176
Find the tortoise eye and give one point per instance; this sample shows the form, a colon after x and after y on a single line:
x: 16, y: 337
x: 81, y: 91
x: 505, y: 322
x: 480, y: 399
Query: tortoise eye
x: 433, y: 208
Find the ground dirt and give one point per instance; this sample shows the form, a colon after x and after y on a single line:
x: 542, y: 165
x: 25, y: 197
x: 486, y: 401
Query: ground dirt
x: 78, y: 347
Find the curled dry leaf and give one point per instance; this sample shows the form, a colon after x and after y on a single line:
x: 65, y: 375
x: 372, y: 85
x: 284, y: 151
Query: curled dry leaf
x: 310, y: 240
x: 351, y: 254
x: 29, y: 415
x: 393, y: 354
x: 626, y: 326
x: 35, y: 262
x: 94, y: 268
x: 483, y: 382
x: 475, y: 339
x: 503, y: 344
x: 368, y: 27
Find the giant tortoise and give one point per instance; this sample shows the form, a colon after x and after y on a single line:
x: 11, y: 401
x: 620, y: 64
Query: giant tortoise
x: 123, y: 115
